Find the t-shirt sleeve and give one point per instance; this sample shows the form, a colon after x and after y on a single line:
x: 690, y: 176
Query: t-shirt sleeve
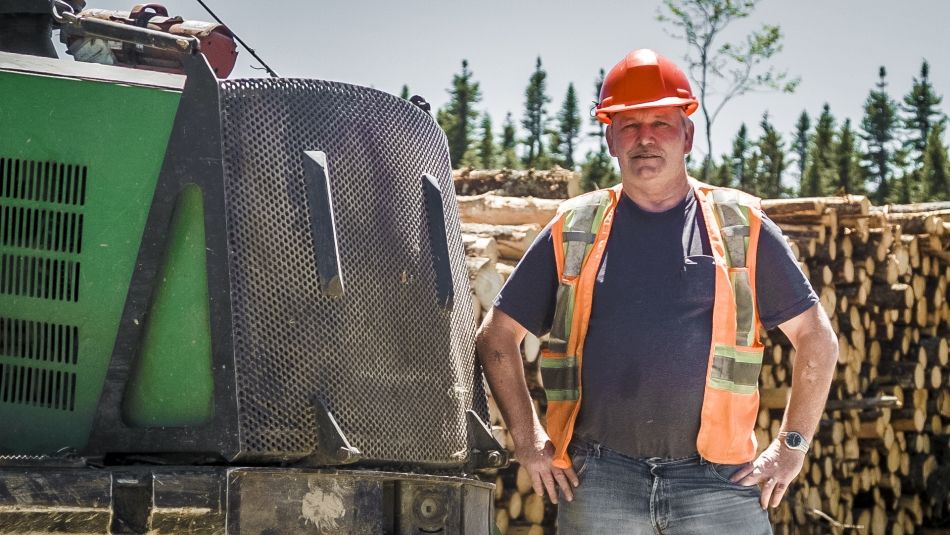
x: 529, y: 294
x: 782, y: 290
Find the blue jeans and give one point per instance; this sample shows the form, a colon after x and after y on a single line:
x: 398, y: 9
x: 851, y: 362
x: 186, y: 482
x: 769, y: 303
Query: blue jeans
x: 689, y: 496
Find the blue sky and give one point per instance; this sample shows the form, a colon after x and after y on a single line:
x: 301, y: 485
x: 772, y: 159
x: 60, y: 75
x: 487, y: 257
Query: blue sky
x: 835, y: 46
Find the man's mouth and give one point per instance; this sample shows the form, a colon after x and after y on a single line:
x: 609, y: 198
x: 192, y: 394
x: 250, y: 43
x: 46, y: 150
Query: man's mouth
x: 645, y: 156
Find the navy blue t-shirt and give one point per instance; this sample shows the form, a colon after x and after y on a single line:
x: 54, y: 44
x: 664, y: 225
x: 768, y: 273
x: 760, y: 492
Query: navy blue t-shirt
x: 647, y: 346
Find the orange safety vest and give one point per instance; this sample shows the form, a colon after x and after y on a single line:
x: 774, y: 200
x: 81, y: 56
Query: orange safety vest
x: 731, y: 398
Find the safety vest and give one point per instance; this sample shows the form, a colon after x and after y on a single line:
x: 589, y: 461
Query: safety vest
x: 731, y: 398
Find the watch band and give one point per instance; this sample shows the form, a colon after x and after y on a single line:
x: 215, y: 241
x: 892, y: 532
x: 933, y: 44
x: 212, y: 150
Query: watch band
x: 794, y: 440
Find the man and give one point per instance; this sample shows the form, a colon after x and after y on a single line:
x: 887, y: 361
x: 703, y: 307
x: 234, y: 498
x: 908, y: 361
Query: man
x: 654, y: 292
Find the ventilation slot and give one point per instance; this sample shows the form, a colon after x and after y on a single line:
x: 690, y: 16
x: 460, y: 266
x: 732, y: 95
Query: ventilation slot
x: 43, y: 278
x: 50, y: 182
x: 39, y: 387
x: 41, y: 341
x: 35, y: 228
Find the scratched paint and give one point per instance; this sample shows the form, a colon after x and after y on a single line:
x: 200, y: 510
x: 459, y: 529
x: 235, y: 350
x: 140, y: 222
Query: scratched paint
x: 323, y: 507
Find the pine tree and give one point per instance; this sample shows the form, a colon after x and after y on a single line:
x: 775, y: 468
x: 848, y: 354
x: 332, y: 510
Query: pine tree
x: 800, y: 143
x: 920, y: 111
x: 818, y: 177
x: 598, y: 169
x: 877, y: 126
x: 772, y: 162
x: 908, y: 187
x: 509, y: 159
x: 535, y: 116
x: 568, y: 128
x: 723, y: 174
x: 936, y: 170
x: 751, y: 172
x: 738, y: 160
x: 486, y: 149
x: 847, y: 172
x: 459, y: 116
x: 404, y: 92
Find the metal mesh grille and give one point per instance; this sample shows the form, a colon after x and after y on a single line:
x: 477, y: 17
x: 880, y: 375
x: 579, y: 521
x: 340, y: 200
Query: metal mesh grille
x: 393, y: 366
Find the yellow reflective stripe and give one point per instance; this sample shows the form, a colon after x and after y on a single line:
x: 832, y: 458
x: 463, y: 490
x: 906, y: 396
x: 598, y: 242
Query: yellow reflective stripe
x: 752, y: 355
x: 563, y: 313
x: 559, y: 362
x: 732, y: 387
x: 559, y: 373
x: 562, y: 395
x: 735, y: 370
x: 745, y: 307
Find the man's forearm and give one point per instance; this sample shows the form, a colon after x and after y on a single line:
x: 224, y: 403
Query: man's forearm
x: 500, y: 356
x: 813, y: 369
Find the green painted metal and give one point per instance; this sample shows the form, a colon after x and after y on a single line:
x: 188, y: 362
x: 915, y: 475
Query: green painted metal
x: 112, y: 139
x: 172, y: 384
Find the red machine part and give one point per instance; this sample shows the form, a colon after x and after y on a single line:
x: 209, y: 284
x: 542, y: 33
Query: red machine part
x: 216, y: 40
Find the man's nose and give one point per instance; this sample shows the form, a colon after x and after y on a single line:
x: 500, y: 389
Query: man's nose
x: 645, y: 136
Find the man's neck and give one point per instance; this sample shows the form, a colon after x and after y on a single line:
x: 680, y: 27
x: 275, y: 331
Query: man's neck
x: 657, y: 195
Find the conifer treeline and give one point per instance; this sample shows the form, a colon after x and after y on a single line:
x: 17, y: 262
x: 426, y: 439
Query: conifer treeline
x: 895, y: 154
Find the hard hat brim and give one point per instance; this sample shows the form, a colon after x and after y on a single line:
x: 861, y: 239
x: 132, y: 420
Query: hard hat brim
x: 689, y: 106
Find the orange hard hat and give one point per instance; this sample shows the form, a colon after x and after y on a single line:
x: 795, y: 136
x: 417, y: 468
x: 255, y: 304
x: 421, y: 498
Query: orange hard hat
x: 644, y: 79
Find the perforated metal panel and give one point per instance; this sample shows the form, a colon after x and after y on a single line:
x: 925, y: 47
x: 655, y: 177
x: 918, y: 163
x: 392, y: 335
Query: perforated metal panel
x: 394, y: 366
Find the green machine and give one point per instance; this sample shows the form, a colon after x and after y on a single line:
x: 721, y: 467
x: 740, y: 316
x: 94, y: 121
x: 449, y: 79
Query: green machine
x: 196, y: 278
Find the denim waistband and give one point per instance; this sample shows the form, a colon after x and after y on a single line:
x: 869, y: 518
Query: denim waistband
x: 599, y: 450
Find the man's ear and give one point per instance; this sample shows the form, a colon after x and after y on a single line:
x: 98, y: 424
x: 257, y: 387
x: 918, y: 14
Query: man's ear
x: 690, y: 131
x: 608, y: 135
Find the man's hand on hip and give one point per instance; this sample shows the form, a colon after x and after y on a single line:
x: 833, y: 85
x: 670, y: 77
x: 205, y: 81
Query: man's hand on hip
x: 773, y: 471
x: 536, y: 456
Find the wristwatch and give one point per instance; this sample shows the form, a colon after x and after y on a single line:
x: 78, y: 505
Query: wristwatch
x: 794, y: 441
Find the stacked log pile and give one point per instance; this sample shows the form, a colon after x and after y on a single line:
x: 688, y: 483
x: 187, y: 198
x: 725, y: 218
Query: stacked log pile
x: 880, y: 461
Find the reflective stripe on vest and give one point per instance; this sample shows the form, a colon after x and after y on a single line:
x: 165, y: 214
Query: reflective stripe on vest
x: 730, y: 402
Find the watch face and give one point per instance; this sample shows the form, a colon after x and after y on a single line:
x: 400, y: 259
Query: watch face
x: 793, y: 440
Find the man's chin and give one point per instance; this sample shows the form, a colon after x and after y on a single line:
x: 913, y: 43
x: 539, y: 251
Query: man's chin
x: 646, y: 172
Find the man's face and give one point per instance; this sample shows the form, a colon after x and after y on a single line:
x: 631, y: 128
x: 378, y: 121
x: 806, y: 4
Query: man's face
x: 650, y: 143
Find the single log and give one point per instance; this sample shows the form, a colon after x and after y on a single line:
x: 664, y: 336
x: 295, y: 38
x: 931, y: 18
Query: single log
x: 505, y: 270
x: 502, y: 520
x: 886, y: 270
x: 848, y: 205
x: 534, y: 509
x: 532, y: 529
x: 935, y: 350
x: 511, y: 240
x: 862, y: 404
x: 911, y: 419
x: 485, y: 280
x: 779, y: 209
x: 897, y: 295
x: 480, y: 246
x: 556, y: 183
x: 531, y: 346
x: 523, y: 481
x: 918, y: 207
x: 921, y: 222
x: 496, y: 210
x: 514, y: 506
x: 773, y: 398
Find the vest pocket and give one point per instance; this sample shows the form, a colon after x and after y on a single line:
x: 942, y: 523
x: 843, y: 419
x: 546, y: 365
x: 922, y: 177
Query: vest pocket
x: 736, y: 369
